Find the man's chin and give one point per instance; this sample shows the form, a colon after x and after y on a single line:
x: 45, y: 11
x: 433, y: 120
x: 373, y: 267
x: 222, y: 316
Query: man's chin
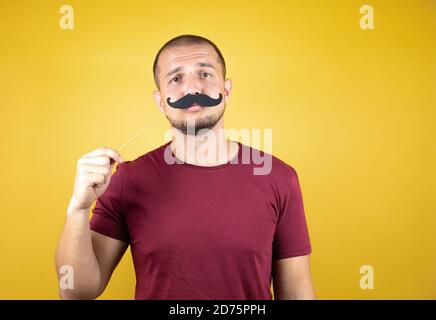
x: 197, y: 119
x: 193, y: 126
x: 198, y: 129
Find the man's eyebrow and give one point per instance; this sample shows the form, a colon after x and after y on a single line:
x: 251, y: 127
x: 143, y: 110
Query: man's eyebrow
x: 175, y: 70
x: 205, y: 64
x: 200, y: 64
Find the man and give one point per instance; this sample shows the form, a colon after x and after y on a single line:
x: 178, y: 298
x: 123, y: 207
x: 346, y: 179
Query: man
x: 198, y: 227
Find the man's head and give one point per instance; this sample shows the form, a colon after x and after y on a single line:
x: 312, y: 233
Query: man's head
x: 190, y: 69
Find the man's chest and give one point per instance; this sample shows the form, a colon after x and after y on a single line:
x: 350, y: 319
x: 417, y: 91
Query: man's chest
x: 236, y: 219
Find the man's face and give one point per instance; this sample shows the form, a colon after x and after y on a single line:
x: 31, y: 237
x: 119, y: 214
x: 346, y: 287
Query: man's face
x: 191, y: 69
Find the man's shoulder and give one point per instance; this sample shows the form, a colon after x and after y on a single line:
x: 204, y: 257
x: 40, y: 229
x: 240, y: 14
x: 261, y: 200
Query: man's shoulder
x: 279, y: 168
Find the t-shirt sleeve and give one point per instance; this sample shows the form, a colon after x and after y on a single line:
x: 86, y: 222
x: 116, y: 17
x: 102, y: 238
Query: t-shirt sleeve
x: 108, y: 215
x: 291, y: 236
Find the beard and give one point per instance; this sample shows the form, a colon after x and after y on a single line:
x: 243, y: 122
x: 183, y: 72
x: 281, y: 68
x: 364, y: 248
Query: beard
x: 192, y: 127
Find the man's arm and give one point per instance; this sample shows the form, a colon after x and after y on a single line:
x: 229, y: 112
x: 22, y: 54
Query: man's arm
x: 292, y: 279
x: 89, y: 256
x: 92, y: 256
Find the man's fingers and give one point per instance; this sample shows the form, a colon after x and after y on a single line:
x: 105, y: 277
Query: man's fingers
x: 105, y: 151
x: 95, y: 169
x: 99, y: 161
x: 92, y: 177
x: 96, y: 179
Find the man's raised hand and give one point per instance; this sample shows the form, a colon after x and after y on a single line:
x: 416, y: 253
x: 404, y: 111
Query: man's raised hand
x: 93, y: 176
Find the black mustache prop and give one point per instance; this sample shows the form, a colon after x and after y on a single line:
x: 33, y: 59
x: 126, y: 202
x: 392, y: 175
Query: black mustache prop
x: 198, y: 98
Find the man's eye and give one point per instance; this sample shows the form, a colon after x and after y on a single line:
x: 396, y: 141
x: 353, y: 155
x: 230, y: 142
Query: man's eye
x: 175, y: 79
x: 205, y: 74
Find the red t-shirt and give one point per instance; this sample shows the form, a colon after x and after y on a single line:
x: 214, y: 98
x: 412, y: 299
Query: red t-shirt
x: 199, y: 232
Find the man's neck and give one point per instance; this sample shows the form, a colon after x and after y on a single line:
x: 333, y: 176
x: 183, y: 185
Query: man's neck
x: 211, y: 148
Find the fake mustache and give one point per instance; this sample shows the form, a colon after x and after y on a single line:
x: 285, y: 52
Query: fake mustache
x: 198, y: 98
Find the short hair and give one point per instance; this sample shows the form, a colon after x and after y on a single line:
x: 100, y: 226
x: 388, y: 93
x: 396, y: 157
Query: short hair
x: 186, y: 39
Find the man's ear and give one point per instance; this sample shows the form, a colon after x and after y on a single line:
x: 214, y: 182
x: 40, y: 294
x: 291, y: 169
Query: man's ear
x: 227, y: 89
x: 158, y: 99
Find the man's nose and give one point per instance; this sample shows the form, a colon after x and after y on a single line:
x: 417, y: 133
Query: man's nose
x: 192, y: 87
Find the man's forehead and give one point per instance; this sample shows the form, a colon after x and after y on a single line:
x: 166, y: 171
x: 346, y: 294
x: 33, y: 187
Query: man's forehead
x: 190, y: 54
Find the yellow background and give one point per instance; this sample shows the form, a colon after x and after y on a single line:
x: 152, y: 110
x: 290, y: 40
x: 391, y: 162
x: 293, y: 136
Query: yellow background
x: 352, y: 111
